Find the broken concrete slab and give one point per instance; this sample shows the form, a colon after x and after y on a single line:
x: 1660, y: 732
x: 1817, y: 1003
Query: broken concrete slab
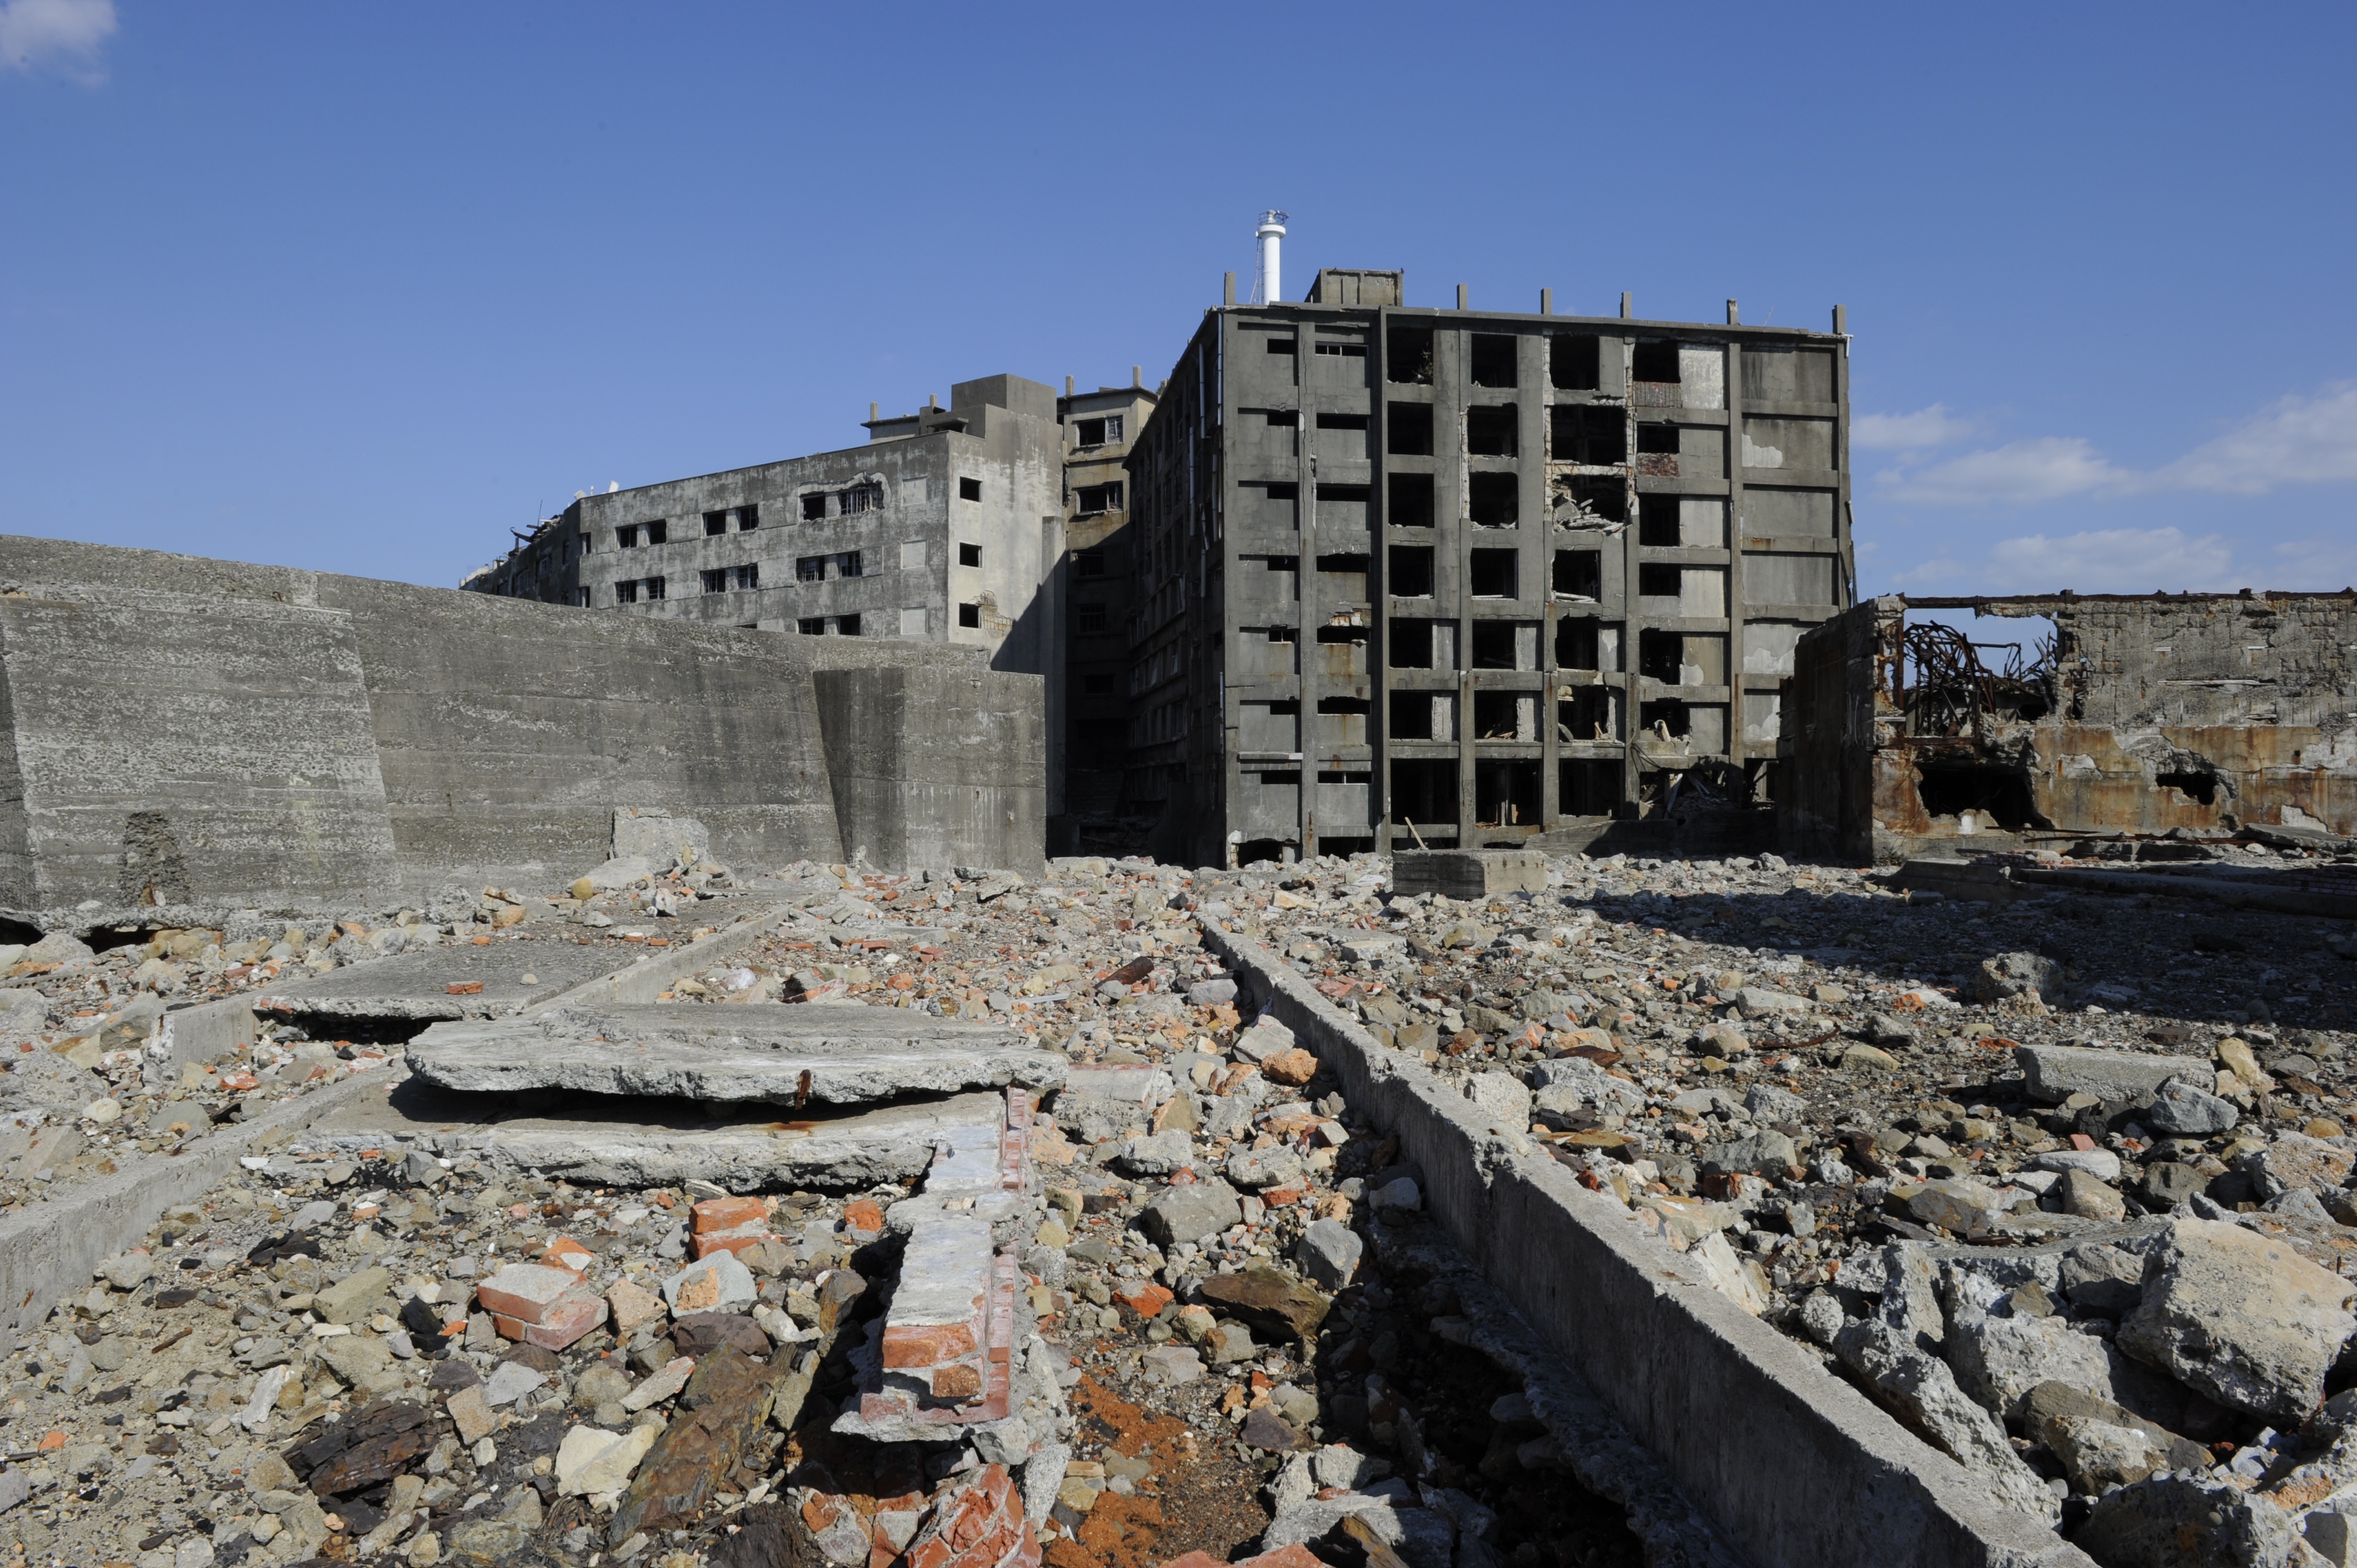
x: 2057, y: 1072
x: 448, y: 982
x: 1467, y: 873
x: 656, y: 1143
x: 784, y: 1054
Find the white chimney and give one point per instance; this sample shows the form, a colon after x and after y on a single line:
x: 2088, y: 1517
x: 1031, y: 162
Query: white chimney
x: 1268, y: 288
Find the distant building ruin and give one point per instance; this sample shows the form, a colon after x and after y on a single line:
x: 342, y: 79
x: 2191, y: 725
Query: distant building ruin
x: 2204, y: 713
x: 1470, y: 577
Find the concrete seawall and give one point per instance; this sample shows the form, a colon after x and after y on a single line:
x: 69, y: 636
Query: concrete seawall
x: 181, y: 731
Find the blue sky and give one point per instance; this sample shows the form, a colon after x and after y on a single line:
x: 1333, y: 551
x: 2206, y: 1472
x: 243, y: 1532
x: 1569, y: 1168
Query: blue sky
x: 360, y: 288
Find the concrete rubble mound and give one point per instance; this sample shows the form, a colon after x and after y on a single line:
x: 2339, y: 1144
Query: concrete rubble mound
x: 812, y: 1054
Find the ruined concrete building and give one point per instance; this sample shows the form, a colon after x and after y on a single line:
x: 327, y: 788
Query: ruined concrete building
x: 945, y: 527
x: 1098, y: 429
x: 1496, y: 576
x: 2205, y: 713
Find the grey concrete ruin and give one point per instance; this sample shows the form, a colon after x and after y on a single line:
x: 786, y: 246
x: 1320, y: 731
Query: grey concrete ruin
x: 180, y: 732
x: 809, y: 1053
x: 1499, y: 574
x: 2197, y: 716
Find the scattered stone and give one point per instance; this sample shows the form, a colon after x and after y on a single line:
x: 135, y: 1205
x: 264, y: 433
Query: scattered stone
x: 2240, y: 1317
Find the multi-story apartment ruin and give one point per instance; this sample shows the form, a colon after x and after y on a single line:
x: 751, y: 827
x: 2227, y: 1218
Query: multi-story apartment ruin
x: 1098, y: 429
x: 945, y: 527
x: 1466, y: 577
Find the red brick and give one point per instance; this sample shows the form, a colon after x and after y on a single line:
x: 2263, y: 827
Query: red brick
x: 1197, y: 1559
x: 1280, y: 1197
x: 957, y: 1381
x: 735, y: 1239
x: 1143, y: 1297
x: 928, y: 1345
x: 565, y: 1320
x: 565, y: 1252
x: 864, y: 1216
x: 727, y: 1213
x: 524, y: 1291
x: 1283, y: 1557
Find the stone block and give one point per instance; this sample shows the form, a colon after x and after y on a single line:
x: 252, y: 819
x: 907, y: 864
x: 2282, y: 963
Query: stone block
x: 1467, y: 874
x: 2057, y: 1072
x: 523, y: 1292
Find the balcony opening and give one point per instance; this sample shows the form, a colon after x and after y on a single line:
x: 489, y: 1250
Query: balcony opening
x: 1654, y: 360
x: 1577, y: 644
x: 1423, y: 791
x: 1408, y: 500
x: 1657, y: 580
x: 1587, y: 717
x: 1495, y: 573
x: 1593, y: 434
x: 1410, y: 572
x: 1492, y: 430
x: 1660, y: 654
x: 1591, y: 787
x: 1407, y: 430
x: 1665, y: 716
x: 715, y: 524
x: 1579, y: 575
x: 1657, y: 522
x: 1574, y: 363
x: 1595, y: 499
x: 1506, y: 645
x: 1494, y: 500
x: 1407, y: 356
x: 1506, y: 794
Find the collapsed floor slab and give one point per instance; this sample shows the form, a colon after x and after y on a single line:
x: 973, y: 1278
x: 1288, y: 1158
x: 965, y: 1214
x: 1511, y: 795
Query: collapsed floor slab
x: 448, y: 983
x: 784, y: 1054
x: 648, y: 1142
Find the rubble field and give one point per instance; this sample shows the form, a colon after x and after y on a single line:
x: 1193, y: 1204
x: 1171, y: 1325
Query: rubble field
x: 991, y: 1227
x: 1148, y: 1290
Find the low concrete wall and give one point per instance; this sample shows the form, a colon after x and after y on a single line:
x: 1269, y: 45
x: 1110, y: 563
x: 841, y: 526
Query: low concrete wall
x: 181, y: 732
x: 48, y: 1250
x: 1796, y: 1466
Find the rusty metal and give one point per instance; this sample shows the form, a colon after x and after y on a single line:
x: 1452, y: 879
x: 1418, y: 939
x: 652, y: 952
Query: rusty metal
x: 1953, y: 693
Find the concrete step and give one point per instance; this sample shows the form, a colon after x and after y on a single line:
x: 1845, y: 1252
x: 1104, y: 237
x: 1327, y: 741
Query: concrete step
x: 793, y: 1055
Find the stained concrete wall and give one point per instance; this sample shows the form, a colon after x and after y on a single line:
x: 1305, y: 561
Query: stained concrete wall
x: 914, y: 791
x: 241, y: 735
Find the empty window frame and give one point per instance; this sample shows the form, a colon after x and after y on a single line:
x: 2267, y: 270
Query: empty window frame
x: 1494, y: 572
x: 1089, y: 617
x: 1407, y: 356
x: 1657, y: 438
x: 820, y: 568
x: 1089, y: 563
x: 1494, y: 500
x: 658, y: 531
x: 969, y: 489
x: 715, y: 580
x: 1492, y: 430
x: 970, y: 615
x: 1660, y: 654
x: 866, y: 496
x: 814, y: 506
x: 1591, y: 787
x: 1421, y: 715
x: 1407, y: 430
x: 1094, y: 500
x: 1491, y: 358
x: 1092, y: 433
x: 1575, y: 362
x: 1424, y: 790
x: 1659, y: 580
x: 1336, y: 348
x: 1506, y: 794
x: 1410, y: 574
x: 1589, y: 715
x: 714, y: 524
x: 1505, y: 715
x: 969, y: 554
x: 749, y: 518
x: 626, y: 537
x: 1576, y: 645
x: 1506, y: 645
x: 626, y: 592
x: 1411, y: 644
x: 1281, y: 418
x: 1665, y: 716
x: 748, y: 575
x: 1657, y: 522
x: 1407, y: 500
x: 1594, y: 499
x: 1329, y: 421
x: 579, y: 598
x: 1281, y: 343
x: 1593, y: 434
x: 1099, y: 683
x: 1579, y: 575
x: 1654, y: 360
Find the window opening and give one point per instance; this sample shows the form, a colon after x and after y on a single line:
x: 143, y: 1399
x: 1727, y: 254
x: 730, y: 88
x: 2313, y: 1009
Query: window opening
x: 1407, y: 356
x: 1656, y: 580
x: 1574, y: 363
x: 1494, y: 572
x: 1494, y: 500
x: 1493, y: 356
x: 1407, y: 431
x: 714, y: 524
x: 969, y: 554
x: 1654, y: 360
x: 1594, y: 433
x: 1408, y: 500
x: 969, y: 615
x: 1411, y: 571
x: 1492, y: 430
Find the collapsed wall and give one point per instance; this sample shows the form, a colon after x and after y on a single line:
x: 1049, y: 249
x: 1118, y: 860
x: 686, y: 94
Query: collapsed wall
x: 183, y: 732
x: 2209, y: 712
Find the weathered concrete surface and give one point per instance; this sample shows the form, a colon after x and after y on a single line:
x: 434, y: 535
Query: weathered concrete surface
x: 1467, y: 873
x: 915, y: 791
x: 648, y: 1142
x: 189, y: 732
x: 804, y: 1053
x: 1696, y: 1380
x: 418, y: 985
x: 2057, y: 1072
x: 49, y: 1248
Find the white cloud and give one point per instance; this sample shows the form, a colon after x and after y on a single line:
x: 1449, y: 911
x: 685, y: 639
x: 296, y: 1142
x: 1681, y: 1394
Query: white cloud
x: 2316, y: 565
x: 1917, y: 431
x: 62, y: 35
x: 2112, y: 561
x: 2043, y: 469
x: 2299, y: 441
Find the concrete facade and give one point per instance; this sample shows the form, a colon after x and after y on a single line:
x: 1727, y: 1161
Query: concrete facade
x: 1499, y: 576
x: 941, y: 529
x: 182, y: 731
x: 2209, y: 713
x: 1099, y: 428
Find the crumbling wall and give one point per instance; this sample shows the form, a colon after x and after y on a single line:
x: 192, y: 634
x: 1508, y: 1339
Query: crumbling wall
x: 2208, y: 712
x: 183, y: 731
x: 1825, y: 782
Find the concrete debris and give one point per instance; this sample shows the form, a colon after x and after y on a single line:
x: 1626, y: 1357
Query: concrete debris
x: 797, y: 1055
x: 2240, y: 1317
